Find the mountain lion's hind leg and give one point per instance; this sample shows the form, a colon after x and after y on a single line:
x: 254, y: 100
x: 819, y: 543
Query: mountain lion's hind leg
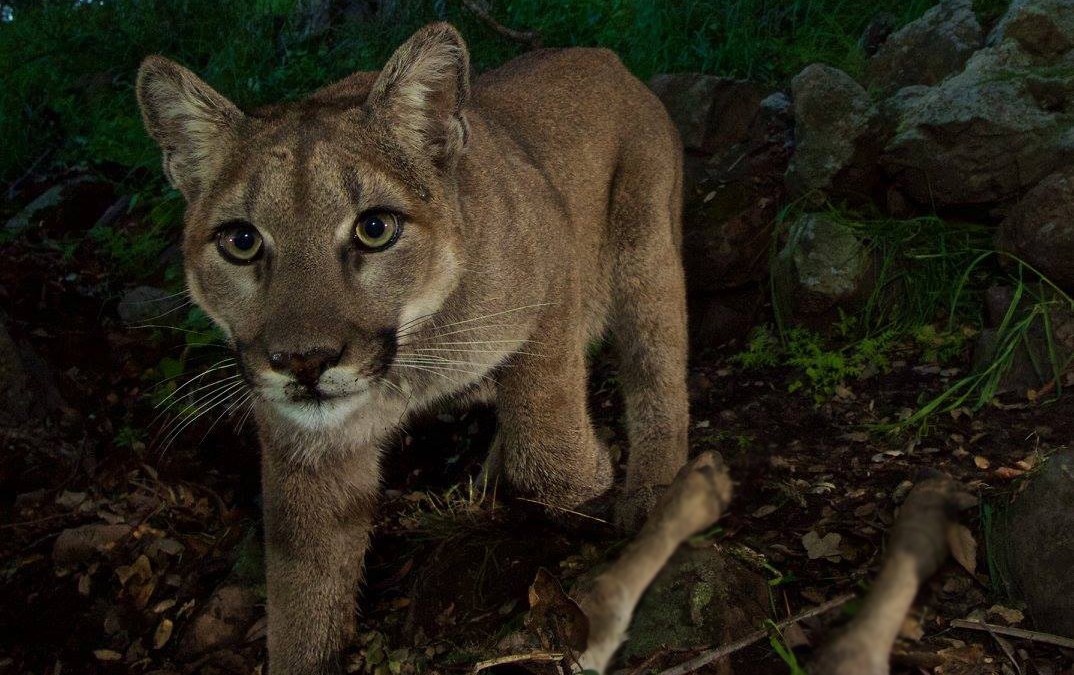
x: 648, y: 326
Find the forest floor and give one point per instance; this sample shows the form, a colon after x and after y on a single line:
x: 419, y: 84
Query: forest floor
x: 803, y: 471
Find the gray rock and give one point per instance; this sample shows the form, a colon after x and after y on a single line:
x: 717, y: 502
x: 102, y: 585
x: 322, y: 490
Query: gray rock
x: 1040, y: 27
x: 82, y: 544
x: 27, y: 389
x: 1037, y: 534
x: 147, y: 303
x: 1040, y: 228
x: 222, y: 621
x: 928, y: 50
x: 982, y: 136
x: 710, y: 112
x: 822, y: 265
x: 49, y: 199
x: 835, y: 123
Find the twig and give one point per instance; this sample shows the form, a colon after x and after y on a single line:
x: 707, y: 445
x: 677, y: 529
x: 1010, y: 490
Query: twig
x: 1031, y: 635
x: 712, y: 655
x: 516, y: 658
x: 563, y: 509
x: 529, y: 37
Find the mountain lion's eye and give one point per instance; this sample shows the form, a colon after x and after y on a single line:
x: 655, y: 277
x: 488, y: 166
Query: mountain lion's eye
x: 377, y: 230
x: 239, y: 243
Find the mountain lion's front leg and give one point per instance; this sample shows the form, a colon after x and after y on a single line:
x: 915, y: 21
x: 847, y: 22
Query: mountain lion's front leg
x: 546, y: 447
x: 317, y: 524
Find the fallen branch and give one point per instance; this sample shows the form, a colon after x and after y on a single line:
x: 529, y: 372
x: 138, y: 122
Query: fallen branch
x: 528, y: 37
x: 713, y: 655
x: 1021, y: 633
x: 530, y: 657
x: 694, y: 501
x: 917, y: 547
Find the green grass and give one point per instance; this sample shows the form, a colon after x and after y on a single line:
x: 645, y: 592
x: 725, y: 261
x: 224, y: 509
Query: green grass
x: 69, y: 70
x: 926, y: 302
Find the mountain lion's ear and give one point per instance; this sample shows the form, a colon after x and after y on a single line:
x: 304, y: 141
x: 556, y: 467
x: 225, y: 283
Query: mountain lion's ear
x: 187, y: 118
x: 420, y: 93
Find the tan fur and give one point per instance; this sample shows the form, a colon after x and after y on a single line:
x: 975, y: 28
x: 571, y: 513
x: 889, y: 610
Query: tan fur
x: 542, y: 209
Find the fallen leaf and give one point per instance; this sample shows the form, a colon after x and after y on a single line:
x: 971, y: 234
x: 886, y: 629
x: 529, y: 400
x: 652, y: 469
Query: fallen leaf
x: 1008, y: 473
x: 764, y: 511
x: 911, y: 629
x: 981, y: 462
x: 963, y: 546
x: 826, y: 547
x: 107, y: 655
x: 1009, y: 615
x: 163, y: 633
x: 70, y: 500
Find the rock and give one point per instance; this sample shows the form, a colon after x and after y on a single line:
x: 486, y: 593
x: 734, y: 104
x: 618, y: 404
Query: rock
x: 80, y: 192
x: 1040, y: 228
x: 1040, y: 27
x: 879, y: 28
x: 222, y: 621
x: 1030, y: 366
x: 27, y: 390
x: 927, y: 50
x: 836, y: 125
x: 822, y: 265
x: 145, y: 303
x: 987, y: 134
x: 710, y: 112
x: 1038, y: 533
x: 732, y: 197
x: 721, y: 318
x: 81, y: 544
x: 702, y: 597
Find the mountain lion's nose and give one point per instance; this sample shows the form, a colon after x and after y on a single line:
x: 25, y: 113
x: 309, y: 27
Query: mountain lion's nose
x: 307, y: 366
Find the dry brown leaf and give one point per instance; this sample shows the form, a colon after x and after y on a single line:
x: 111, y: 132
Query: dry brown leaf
x: 1009, y: 615
x: 911, y: 629
x: 817, y: 547
x: 163, y: 633
x: 981, y: 462
x: 963, y: 546
x: 107, y: 655
x: 1008, y: 473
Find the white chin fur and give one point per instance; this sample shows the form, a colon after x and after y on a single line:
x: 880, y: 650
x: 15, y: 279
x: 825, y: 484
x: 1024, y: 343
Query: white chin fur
x: 323, y: 415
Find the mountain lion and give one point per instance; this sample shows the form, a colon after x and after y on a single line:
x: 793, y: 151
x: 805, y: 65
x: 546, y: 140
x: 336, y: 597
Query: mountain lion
x: 403, y: 237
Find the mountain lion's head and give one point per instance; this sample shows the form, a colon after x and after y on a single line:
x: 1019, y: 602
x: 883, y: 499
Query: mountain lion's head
x: 316, y: 232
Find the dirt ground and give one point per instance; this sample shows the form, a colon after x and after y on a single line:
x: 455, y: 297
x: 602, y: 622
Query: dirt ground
x: 179, y: 590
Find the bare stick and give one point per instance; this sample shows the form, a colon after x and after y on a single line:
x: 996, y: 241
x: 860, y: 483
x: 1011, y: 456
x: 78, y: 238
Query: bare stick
x: 917, y: 547
x: 531, y: 657
x: 713, y: 655
x: 529, y: 37
x: 1022, y: 633
x: 694, y: 501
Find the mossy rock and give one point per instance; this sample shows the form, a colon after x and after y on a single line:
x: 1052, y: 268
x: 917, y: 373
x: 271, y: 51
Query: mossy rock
x: 704, y: 597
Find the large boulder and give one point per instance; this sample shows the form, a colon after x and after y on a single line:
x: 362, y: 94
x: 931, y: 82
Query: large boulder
x: 710, y: 112
x: 1040, y: 228
x: 836, y: 127
x: 1037, y: 536
x: 738, y: 142
x: 986, y: 135
x: 928, y: 50
x: 823, y: 265
x: 1041, y: 27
